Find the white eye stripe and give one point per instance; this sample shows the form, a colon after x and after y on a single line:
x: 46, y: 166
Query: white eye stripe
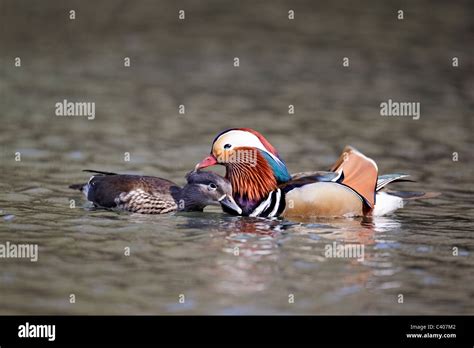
x: 241, y: 138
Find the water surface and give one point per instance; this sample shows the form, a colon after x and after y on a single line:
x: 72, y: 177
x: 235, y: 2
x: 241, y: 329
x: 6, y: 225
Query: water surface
x: 81, y: 249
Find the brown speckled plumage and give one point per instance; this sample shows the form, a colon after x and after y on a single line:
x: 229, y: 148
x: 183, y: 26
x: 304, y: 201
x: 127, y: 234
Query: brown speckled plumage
x: 139, y: 201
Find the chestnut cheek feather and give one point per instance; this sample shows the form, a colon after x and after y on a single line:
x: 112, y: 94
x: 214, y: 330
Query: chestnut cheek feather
x: 251, y: 182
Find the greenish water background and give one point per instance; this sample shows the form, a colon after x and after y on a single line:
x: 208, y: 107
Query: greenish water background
x: 282, y: 62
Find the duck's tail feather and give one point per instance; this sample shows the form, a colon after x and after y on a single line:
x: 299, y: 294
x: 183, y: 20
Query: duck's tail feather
x: 384, y: 180
x: 99, y: 172
x: 84, y: 187
x: 412, y: 195
x: 390, y: 201
x: 79, y: 187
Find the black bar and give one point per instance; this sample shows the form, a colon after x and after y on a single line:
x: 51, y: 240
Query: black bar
x: 219, y: 330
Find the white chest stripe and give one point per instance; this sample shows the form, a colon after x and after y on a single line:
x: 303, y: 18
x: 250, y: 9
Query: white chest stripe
x: 264, y: 205
x: 337, y: 177
x: 277, y: 204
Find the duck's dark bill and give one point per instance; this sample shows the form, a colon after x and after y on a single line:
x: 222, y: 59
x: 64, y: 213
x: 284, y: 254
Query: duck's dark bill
x: 228, y: 203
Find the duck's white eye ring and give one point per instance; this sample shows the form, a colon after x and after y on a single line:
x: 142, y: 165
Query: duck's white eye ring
x: 227, y: 146
x: 212, y: 186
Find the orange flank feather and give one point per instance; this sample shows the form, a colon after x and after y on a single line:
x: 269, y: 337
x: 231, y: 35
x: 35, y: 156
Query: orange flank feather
x: 253, y: 181
x: 360, y: 173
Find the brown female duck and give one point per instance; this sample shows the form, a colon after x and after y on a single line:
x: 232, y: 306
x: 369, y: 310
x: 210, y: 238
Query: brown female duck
x: 153, y: 195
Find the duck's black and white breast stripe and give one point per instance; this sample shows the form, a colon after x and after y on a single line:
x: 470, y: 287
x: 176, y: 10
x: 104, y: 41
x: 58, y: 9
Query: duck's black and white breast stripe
x: 275, y: 203
x: 272, y: 206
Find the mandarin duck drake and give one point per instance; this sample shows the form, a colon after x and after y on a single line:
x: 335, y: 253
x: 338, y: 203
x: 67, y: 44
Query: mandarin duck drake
x: 262, y: 185
x: 153, y: 195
